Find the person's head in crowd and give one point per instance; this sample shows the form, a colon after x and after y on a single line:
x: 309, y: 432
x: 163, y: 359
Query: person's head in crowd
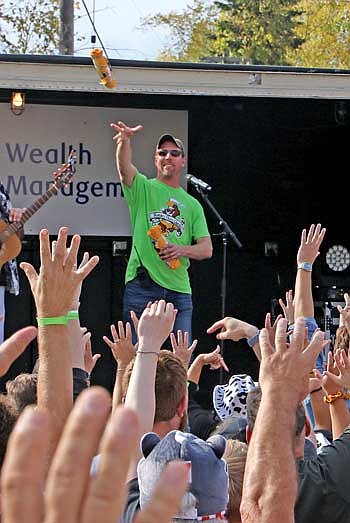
x: 302, y: 424
x: 230, y: 400
x: 235, y: 456
x: 232, y: 428
x: 207, y: 495
x: 8, y: 418
x: 35, y: 488
x: 23, y: 390
x: 170, y: 392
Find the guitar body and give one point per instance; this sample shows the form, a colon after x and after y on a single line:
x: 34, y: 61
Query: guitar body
x: 11, y: 247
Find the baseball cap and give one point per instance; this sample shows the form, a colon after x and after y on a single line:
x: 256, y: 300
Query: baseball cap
x: 171, y: 138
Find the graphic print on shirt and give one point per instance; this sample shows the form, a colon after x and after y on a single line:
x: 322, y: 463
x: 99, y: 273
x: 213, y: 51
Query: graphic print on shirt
x: 165, y: 222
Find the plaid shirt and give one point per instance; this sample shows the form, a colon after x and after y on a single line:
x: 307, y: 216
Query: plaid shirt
x: 9, y: 269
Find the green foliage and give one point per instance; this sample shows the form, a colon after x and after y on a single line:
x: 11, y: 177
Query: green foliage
x: 257, y: 31
x: 306, y: 33
x: 30, y: 26
x: 190, y: 31
x: 325, y: 29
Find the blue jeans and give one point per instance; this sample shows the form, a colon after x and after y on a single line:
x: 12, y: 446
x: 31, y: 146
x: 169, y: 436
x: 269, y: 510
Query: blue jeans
x: 137, y: 295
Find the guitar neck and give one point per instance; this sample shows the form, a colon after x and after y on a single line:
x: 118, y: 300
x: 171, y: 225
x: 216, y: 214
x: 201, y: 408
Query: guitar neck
x: 14, y: 227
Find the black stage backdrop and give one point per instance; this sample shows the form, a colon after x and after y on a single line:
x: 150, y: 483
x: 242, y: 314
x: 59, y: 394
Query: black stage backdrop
x: 275, y: 166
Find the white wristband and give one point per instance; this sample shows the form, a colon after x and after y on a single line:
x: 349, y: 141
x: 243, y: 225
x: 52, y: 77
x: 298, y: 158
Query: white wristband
x: 306, y: 266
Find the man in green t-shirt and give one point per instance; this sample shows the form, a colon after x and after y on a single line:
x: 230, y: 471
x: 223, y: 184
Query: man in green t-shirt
x: 168, y: 228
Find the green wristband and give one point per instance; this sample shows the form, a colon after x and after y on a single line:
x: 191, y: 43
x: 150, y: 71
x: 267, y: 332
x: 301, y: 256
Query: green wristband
x: 73, y: 315
x: 54, y: 320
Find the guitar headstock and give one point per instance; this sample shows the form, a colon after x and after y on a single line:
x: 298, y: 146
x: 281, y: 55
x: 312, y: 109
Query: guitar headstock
x: 63, y: 176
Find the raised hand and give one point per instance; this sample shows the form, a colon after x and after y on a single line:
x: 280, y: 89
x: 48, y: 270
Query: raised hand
x: 59, y: 278
x: 94, y: 498
x: 344, y: 313
x: 124, y: 132
x: 338, y: 372
x: 76, y: 297
x: 14, y: 346
x: 289, y: 362
x: 155, y: 325
x: 90, y: 359
x: 181, y: 348
x: 232, y: 329
x: 315, y: 382
x: 122, y: 347
x: 288, y: 307
x: 214, y: 359
x: 310, y: 243
x: 271, y: 328
x: 135, y: 319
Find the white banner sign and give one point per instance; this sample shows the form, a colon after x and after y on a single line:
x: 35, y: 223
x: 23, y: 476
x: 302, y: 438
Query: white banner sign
x: 34, y: 144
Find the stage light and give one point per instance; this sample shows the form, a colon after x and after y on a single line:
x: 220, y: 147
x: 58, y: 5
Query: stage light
x: 338, y: 258
x: 17, y: 102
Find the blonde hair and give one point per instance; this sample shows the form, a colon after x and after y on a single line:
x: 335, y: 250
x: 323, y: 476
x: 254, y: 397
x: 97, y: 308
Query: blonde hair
x: 235, y: 457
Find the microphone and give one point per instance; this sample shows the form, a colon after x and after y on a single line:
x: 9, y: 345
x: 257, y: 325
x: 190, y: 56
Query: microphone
x: 198, y: 183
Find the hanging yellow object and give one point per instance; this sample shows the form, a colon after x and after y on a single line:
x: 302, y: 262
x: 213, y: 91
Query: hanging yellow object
x: 103, y: 68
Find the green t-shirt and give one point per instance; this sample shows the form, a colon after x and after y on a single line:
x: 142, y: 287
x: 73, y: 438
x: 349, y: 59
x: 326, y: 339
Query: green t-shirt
x: 181, y: 219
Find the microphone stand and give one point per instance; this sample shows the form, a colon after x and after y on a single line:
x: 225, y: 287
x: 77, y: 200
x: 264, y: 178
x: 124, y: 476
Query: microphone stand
x: 226, y: 233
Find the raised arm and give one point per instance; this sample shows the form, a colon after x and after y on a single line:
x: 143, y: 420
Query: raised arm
x: 154, y: 327
x: 334, y: 380
x: 270, y: 482
x: 14, y: 346
x: 235, y: 330
x: 307, y: 254
x: 123, y: 155
x: 53, y: 290
x: 123, y: 352
x: 181, y: 347
x: 288, y: 307
x: 344, y: 313
x: 70, y: 491
x: 214, y: 359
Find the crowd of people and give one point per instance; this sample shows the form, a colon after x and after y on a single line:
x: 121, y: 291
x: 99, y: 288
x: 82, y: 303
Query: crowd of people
x: 276, y: 450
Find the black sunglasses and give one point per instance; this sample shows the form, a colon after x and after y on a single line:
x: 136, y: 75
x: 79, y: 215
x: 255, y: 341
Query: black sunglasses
x: 173, y: 152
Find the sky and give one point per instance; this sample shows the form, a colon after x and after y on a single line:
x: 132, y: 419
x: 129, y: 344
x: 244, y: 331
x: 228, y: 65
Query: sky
x: 116, y: 22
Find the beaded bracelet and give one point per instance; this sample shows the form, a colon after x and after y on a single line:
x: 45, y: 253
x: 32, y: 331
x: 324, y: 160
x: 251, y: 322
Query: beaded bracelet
x: 331, y: 398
